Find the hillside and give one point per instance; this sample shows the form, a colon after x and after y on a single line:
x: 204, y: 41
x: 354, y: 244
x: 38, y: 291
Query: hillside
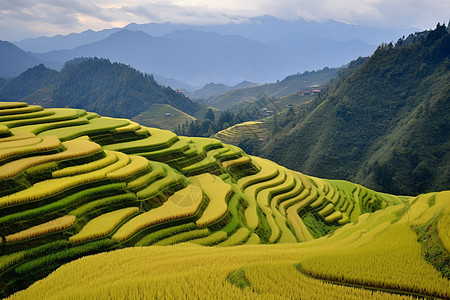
x: 14, y: 60
x: 163, y: 116
x: 28, y: 82
x: 306, y: 81
x: 384, y: 123
x: 111, y: 89
x: 212, y: 89
x: 76, y: 184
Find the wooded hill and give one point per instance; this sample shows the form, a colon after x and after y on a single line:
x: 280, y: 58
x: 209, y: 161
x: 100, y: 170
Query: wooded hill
x: 111, y: 89
x: 74, y: 184
x: 384, y: 123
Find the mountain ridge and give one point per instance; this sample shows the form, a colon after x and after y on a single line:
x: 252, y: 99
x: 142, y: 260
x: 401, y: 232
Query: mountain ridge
x: 113, y: 89
x: 263, y: 29
x: 14, y: 60
x: 370, y: 113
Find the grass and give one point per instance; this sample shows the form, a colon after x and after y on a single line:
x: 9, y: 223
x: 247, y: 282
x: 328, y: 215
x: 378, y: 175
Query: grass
x: 54, y: 116
x: 92, y: 126
x: 19, y: 110
x: 103, y: 225
x: 74, y: 149
x: 110, y: 158
x: 181, y: 204
x: 46, y: 144
x: 244, y: 272
x: 260, y: 130
x: 116, y: 200
x: 158, y: 139
x: 42, y: 229
x: 217, y: 191
x: 137, y: 164
x: 156, y: 116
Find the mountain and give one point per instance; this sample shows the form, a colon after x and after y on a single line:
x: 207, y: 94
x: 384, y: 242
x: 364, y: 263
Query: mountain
x: 136, y: 45
x: 321, y: 52
x: 174, y: 84
x: 88, y: 203
x: 261, y: 49
x: 96, y: 84
x: 61, y: 42
x: 236, y: 98
x: 384, y: 123
x: 214, y: 89
x: 14, y: 60
x: 113, y: 89
x: 263, y: 29
x: 190, y: 56
x: 28, y: 82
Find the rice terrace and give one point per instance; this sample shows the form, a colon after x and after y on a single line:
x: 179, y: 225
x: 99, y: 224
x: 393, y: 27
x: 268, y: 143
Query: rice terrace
x: 95, y: 207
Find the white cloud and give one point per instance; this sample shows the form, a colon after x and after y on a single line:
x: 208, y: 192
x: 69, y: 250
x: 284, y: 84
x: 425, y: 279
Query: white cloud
x: 50, y: 17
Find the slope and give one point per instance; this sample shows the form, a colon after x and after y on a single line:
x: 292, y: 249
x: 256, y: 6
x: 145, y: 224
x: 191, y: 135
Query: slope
x: 14, y: 60
x: 366, y: 260
x: 384, y: 125
x: 75, y: 184
x: 163, y: 116
x: 27, y: 82
x: 112, y: 89
x: 291, y: 84
x: 215, y: 89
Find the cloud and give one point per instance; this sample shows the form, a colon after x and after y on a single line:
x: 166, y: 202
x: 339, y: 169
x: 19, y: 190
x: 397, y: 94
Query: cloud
x: 50, y: 17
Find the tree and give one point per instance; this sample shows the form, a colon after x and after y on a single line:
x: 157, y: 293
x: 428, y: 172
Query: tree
x: 210, y: 115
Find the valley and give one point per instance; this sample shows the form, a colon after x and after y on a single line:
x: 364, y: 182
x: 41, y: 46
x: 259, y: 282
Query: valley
x: 262, y: 158
x: 77, y: 184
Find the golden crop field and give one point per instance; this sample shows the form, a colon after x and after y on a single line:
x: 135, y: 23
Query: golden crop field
x: 119, y: 210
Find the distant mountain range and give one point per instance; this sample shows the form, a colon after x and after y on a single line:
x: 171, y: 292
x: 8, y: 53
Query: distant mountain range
x: 263, y: 29
x: 261, y: 50
x: 190, y: 56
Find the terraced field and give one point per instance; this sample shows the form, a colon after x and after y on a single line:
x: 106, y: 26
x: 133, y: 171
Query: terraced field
x: 260, y: 130
x: 75, y: 184
x: 163, y: 116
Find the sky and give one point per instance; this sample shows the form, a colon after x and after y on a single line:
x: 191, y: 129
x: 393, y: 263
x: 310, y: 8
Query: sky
x: 21, y: 19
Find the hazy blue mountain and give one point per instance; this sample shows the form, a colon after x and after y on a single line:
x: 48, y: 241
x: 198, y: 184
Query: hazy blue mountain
x: 215, y: 89
x: 263, y: 49
x: 14, y: 60
x: 312, y: 53
x: 263, y: 29
x: 60, y: 42
x: 190, y: 56
x: 268, y: 28
x: 174, y: 84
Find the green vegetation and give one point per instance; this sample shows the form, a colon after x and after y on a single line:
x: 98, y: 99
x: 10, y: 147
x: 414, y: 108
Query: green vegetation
x: 288, y: 86
x: 114, y: 184
x: 163, y: 116
x: 95, y: 84
x: 383, y: 122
